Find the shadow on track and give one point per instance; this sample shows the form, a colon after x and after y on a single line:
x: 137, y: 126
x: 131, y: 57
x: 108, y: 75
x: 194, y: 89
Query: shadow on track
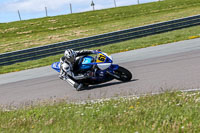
x: 107, y: 84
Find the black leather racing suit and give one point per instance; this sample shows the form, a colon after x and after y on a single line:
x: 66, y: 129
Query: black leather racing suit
x: 71, y: 69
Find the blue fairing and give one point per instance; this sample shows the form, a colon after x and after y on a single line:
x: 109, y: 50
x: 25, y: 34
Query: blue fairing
x: 85, y: 64
x: 114, y: 67
x: 56, y: 66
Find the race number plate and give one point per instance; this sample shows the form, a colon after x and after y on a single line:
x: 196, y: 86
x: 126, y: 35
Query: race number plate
x: 101, y: 58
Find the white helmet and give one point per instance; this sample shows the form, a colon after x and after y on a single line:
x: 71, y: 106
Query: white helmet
x: 70, y: 55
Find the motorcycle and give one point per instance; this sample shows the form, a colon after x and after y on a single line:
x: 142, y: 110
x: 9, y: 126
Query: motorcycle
x: 102, y: 68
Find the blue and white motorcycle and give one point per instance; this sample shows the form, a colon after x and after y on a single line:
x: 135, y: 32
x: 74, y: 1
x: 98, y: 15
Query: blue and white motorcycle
x: 102, y: 68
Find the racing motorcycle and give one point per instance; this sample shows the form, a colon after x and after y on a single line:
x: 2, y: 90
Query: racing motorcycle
x: 102, y: 68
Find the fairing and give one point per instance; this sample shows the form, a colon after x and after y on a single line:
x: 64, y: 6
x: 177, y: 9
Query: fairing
x: 56, y: 66
x: 85, y: 64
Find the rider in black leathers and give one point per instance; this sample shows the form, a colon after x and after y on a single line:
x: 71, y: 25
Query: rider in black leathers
x: 69, y: 67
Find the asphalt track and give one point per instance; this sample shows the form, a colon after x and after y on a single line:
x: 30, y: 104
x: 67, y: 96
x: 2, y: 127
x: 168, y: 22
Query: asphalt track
x: 173, y: 66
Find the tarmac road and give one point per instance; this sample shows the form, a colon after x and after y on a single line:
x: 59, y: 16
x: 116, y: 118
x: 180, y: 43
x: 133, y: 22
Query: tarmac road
x: 173, y: 66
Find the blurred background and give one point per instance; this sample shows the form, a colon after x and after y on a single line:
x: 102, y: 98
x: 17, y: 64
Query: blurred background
x: 15, y: 10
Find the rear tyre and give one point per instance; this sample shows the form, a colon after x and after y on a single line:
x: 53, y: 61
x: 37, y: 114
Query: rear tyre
x: 124, y: 74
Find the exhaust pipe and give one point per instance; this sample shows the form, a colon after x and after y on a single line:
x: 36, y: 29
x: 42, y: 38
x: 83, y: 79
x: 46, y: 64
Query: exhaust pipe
x: 71, y: 82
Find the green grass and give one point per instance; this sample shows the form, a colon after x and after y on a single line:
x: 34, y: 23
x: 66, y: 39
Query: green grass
x: 168, y: 112
x: 173, y: 36
x: 37, y: 32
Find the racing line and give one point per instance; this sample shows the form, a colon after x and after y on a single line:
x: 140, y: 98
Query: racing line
x: 155, y: 69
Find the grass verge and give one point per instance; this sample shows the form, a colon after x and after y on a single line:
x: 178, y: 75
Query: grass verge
x: 37, y: 32
x: 167, y: 112
x: 169, y: 37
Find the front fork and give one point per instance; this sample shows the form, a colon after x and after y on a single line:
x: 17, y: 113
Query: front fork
x: 113, y: 67
x: 113, y: 75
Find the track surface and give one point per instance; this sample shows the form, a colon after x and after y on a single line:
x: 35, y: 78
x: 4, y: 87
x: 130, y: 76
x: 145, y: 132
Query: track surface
x: 155, y: 69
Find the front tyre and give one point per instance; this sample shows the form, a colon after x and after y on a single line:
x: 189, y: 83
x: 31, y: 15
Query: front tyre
x: 124, y: 74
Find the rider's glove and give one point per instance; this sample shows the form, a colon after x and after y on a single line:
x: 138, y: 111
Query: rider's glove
x: 96, y: 51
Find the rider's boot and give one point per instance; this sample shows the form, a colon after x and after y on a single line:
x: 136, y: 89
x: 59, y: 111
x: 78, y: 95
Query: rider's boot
x: 62, y: 75
x: 78, y: 86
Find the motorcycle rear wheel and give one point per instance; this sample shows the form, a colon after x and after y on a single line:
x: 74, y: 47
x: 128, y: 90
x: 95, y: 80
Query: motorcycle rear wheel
x: 124, y: 74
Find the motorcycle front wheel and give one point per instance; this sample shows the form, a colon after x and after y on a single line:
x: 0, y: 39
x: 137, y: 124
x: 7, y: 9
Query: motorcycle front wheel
x: 124, y: 74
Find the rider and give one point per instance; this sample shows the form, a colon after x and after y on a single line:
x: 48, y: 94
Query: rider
x: 69, y: 66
